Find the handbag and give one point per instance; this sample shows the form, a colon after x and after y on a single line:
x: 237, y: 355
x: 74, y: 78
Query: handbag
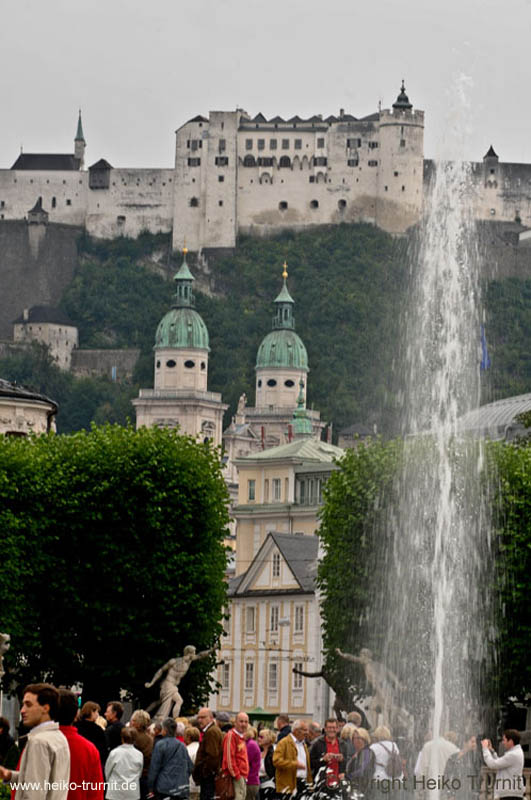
x: 224, y: 786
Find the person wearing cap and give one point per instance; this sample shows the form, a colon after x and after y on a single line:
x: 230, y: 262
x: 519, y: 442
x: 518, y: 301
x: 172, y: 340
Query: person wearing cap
x: 223, y: 721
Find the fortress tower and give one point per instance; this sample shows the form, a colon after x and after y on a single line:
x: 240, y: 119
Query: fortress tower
x: 180, y: 395
x: 401, y: 165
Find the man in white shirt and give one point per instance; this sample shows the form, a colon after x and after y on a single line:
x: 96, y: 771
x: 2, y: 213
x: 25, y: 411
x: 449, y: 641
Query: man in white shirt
x: 44, y: 771
x: 509, y: 778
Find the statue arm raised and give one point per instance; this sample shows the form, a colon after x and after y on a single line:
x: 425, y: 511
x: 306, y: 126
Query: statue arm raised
x: 203, y: 654
x: 347, y: 656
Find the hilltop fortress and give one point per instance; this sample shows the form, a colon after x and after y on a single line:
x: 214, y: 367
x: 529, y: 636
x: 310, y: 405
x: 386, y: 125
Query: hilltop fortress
x: 234, y: 173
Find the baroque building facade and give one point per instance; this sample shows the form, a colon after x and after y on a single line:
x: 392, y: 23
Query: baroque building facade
x: 235, y: 173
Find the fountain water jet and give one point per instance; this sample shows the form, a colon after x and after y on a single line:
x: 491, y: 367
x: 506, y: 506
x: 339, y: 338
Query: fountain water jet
x: 433, y: 608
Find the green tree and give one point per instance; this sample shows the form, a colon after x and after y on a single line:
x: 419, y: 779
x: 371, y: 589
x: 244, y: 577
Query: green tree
x: 512, y: 543
x: 355, y: 497
x: 112, y: 547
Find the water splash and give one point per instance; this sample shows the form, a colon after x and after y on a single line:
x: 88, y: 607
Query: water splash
x: 434, y: 602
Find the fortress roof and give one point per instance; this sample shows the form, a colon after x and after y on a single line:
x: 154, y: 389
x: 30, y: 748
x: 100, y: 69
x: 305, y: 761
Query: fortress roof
x: 44, y: 161
x: 101, y: 164
x: 199, y: 118
x: 45, y: 314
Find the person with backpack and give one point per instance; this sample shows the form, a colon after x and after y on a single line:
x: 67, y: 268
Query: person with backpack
x: 360, y: 767
x: 387, y: 760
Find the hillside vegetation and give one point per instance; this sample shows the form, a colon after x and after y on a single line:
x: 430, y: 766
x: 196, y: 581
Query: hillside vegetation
x: 349, y: 284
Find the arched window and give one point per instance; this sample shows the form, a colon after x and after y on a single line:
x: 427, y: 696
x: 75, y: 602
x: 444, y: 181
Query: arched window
x: 314, y: 203
x: 249, y: 161
x: 282, y: 205
x: 341, y: 204
x: 285, y: 161
x: 194, y: 202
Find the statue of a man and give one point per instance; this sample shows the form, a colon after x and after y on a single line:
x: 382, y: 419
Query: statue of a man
x: 173, y: 671
x: 5, y: 644
x: 384, y: 684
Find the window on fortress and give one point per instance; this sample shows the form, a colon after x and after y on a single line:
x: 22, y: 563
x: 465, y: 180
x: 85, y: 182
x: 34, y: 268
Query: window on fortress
x: 298, y: 144
x: 188, y: 143
x: 320, y: 161
x: 251, y: 489
x: 353, y: 162
x: 312, y: 178
x: 220, y: 202
x: 261, y: 144
x: 271, y: 382
x: 284, y: 161
x: 221, y: 178
x: 249, y: 161
x: 341, y: 204
x: 222, y: 145
x: 282, y: 206
x: 248, y: 144
x: 314, y: 203
x: 194, y: 162
x: 54, y: 202
x: 353, y: 143
x: 171, y: 363
x: 402, y: 142
x: 3, y: 204
x: 285, y: 144
x: 373, y: 163
x: 222, y: 161
x: 265, y: 161
x: 69, y: 202
x: 272, y: 144
x: 194, y: 202
x: 289, y: 383
x: 189, y: 364
x: 158, y: 364
x: 320, y: 142
x: 195, y: 144
x: 373, y: 145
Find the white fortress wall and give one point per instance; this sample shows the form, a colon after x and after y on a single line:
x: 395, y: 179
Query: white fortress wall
x: 64, y: 194
x: 136, y: 200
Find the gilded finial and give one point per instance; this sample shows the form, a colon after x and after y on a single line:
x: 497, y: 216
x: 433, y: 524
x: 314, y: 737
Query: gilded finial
x: 185, y: 249
x: 285, y: 272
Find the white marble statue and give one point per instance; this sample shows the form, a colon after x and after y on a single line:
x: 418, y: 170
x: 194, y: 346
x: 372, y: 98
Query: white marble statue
x: 172, y: 673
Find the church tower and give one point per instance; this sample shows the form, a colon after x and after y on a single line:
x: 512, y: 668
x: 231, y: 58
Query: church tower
x: 282, y: 360
x: 80, y: 143
x: 281, y: 377
x: 180, y: 395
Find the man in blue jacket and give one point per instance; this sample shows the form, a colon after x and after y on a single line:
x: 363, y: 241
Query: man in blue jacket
x: 171, y: 766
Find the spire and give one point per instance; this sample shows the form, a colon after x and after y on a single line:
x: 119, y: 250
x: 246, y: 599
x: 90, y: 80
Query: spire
x: 302, y: 425
x: 283, y: 318
x: 402, y: 101
x: 184, y: 296
x: 79, y: 133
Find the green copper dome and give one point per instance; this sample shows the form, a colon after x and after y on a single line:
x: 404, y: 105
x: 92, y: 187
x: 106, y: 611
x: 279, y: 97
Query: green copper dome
x: 182, y: 326
x: 283, y: 347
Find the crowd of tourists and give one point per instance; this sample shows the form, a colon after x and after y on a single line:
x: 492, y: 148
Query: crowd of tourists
x: 72, y: 753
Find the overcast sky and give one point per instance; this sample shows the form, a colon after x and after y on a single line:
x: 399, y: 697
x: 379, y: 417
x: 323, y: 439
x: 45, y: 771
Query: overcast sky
x: 141, y: 68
